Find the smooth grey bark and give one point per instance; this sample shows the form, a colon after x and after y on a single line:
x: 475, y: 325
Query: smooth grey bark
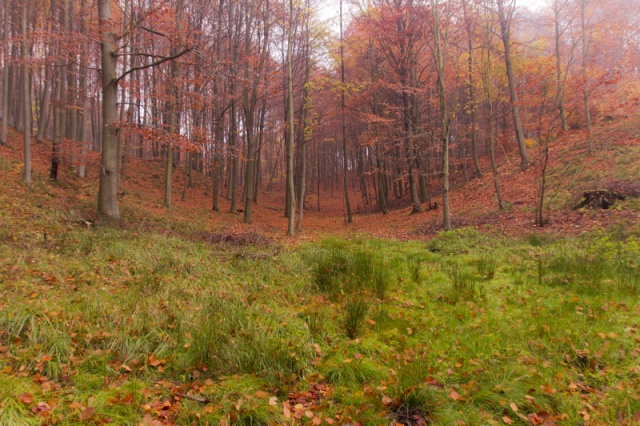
x: 585, y: 76
x: 472, y: 96
x: 249, y: 108
x: 108, y: 188
x: 347, y: 204
x: 559, y: 78
x: 26, y: 95
x: 85, y: 116
x: 59, y: 116
x: 506, y: 17
x: 439, y: 51
x: 5, y: 73
x: 291, y: 194
x: 174, y: 114
x: 305, y: 137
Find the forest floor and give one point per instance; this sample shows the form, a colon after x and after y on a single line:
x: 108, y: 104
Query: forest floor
x: 186, y: 316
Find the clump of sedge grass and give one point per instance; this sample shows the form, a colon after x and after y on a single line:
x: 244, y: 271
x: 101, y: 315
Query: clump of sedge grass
x: 356, y: 309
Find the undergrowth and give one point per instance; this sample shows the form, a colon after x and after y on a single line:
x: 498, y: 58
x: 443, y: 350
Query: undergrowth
x: 112, y: 324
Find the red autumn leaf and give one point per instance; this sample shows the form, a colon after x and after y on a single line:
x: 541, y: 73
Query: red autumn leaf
x: 87, y: 413
x: 26, y: 398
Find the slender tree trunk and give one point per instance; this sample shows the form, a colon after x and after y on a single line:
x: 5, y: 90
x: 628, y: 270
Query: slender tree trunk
x: 5, y: 72
x: 85, y: 116
x: 347, y: 204
x: 305, y: 136
x: 440, y: 67
x: 44, y: 106
x: 174, y: 114
x: 218, y: 129
x: 59, y: 116
x: 560, y: 80
x: 585, y: 52
x: 291, y: 199
x: 505, y: 29
x: 26, y: 95
x: 472, y: 97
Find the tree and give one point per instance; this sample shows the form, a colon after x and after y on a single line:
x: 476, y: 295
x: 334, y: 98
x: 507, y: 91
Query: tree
x: 345, y: 161
x: 468, y: 21
x: 26, y: 94
x: 108, y: 189
x: 585, y: 87
x: 5, y: 72
x: 291, y: 195
x: 439, y: 51
x: 505, y: 14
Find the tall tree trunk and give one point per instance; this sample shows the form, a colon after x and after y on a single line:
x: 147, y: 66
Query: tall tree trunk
x: 559, y: 78
x: 472, y: 96
x: 5, y: 72
x: 506, y: 17
x: 291, y: 194
x: 85, y: 116
x: 59, y: 116
x: 174, y: 114
x: 26, y: 95
x: 440, y: 66
x: 218, y: 129
x: 107, y: 193
x: 585, y: 52
x: 305, y: 135
x: 347, y: 204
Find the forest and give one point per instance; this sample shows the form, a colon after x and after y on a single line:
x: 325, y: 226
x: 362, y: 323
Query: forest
x: 356, y: 212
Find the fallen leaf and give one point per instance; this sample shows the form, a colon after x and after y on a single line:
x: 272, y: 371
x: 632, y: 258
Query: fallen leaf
x: 273, y: 400
x: 386, y: 400
x: 514, y: 407
x: 507, y: 420
x: 26, y: 398
x: 261, y: 394
x: 87, y: 414
x: 454, y: 395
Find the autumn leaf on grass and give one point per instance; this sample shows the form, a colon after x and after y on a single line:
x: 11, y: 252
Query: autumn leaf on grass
x: 41, y: 407
x: 454, y: 395
x: 26, y: 398
x: 386, y: 400
x: 87, y: 414
x: 507, y: 420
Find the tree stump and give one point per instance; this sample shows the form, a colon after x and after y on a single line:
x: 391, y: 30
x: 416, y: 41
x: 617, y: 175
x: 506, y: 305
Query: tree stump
x: 599, y: 199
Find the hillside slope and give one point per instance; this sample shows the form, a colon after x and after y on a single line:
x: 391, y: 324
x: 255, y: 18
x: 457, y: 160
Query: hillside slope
x: 571, y: 171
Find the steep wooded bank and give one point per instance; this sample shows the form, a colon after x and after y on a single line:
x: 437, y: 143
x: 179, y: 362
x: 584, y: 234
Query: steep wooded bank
x: 570, y: 172
x: 413, y: 100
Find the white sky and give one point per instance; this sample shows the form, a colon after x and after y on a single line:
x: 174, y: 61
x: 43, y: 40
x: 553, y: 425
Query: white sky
x: 330, y: 9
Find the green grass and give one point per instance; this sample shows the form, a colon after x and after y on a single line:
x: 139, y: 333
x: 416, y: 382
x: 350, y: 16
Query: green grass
x: 121, y: 324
